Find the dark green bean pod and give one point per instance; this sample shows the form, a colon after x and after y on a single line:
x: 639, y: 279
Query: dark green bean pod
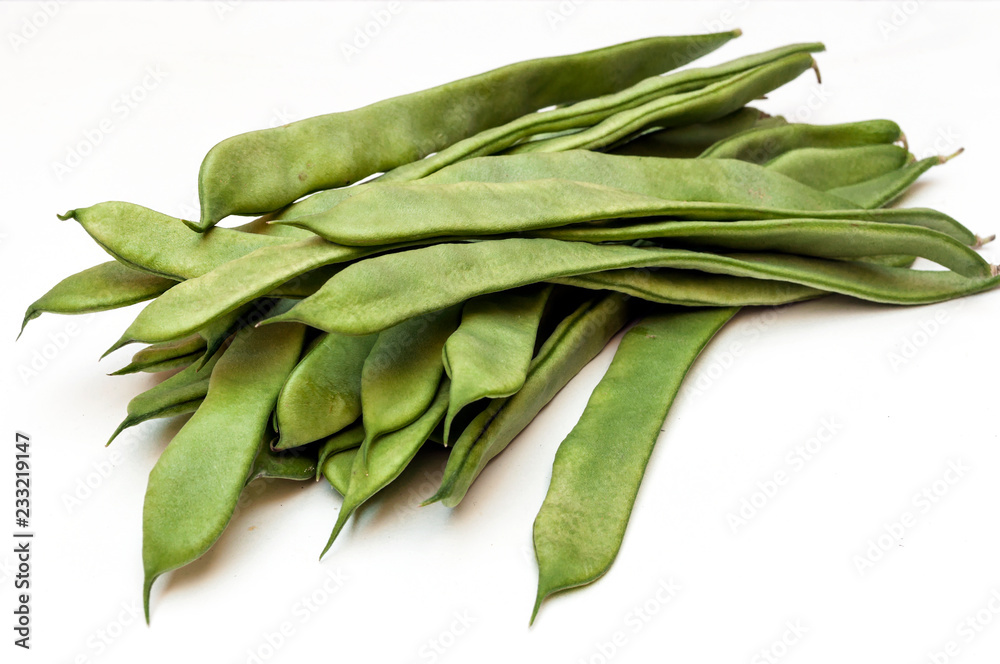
x: 761, y: 145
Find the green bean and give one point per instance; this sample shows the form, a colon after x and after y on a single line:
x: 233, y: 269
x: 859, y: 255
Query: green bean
x: 387, y: 458
x: 615, y: 231
x: 196, y: 482
x: 165, y: 356
x: 828, y: 168
x: 179, y: 394
x: 589, y: 112
x: 693, y: 289
x: 162, y: 245
x: 823, y: 238
x: 323, y: 393
x: 489, y: 354
x: 709, y: 103
x: 761, y: 145
x: 269, y: 464
x: 377, y: 293
x: 337, y: 470
x: 574, y: 342
x: 691, y: 140
x: 600, y: 464
x: 103, y: 287
x: 419, y: 211
x: 348, y: 439
x: 884, y: 190
x: 402, y: 373
x: 570, y: 186
x: 261, y: 226
x: 219, y: 329
x: 265, y: 170
x: 231, y: 285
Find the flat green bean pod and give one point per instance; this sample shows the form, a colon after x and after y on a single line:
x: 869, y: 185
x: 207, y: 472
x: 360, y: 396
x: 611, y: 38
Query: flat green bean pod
x: 165, y: 356
x: 269, y: 464
x: 599, y: 466
x: 709, y: 103
x: 387, y: 458
x: 348, y: 439
x: 337, y: 470
x: 194, y: 487
x: 160, y: 244
x: 828, y: 168
x: 885, y: 189
x: 823, y: 238
x: 632, y: 229
x: 103, y: 287
x: 265, y: 170
x: 402, y: 373
x: 323, y: 393
x: 693, y: 289
x: 690, y: 141
x: 489, y: 354
x: 764, y: 144
x: 232, y: 285
x: 574, y: 342
x: 179, y: 394
x: 377, y: 293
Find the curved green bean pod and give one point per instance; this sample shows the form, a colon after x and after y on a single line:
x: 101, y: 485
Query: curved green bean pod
x: 196, y: 482
x: 885, y: 189
x: 691, y: 140
x: 402, y: 373
x: 337, y: 470
x: 161, y: 244
x: 387, y: 458
x: 761, y: 145
x: 828, y: 168
x: 490, y: 352
x: 711, y: 102
x: 231, y: 285
x: 265, y: 170
x: 822, y: 238
x: 103, y: 287
x: 380, y: 292
x: 269, y: 464
x: 165, y: 356
x: 348, y: 439
x: 600, y: 464
x: 693, y: 289
x: 614, y: 231
x: 323, y: 393
x: 179, y: 394
x: 574, y: 342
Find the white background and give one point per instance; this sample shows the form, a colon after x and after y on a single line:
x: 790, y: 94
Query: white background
x: 229, y: 67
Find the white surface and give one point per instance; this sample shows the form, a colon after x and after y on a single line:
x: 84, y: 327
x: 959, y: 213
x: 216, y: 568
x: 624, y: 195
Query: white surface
x: 410, y: 572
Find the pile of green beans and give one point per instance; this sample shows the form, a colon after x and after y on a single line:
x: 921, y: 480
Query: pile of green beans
x: 518, y: 221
